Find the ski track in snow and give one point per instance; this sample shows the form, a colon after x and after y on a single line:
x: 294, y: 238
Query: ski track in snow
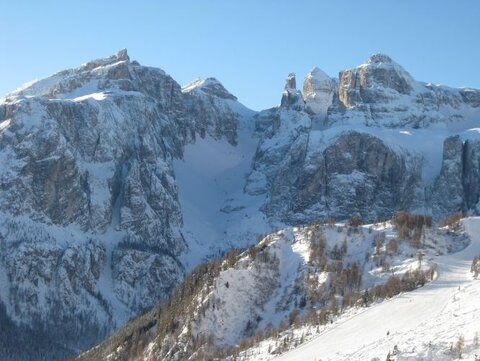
x: 412, y: 319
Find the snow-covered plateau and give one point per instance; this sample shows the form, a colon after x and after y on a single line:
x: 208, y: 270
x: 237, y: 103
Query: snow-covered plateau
x: 116, y: 182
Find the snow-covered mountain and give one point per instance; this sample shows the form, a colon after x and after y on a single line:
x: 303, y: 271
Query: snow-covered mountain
x: 372, y: 145
x: 90, y: 221
x: 115, y: 180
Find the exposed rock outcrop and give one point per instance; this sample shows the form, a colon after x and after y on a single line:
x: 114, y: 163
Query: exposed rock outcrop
x: 291, y: 97
x: 457, y: 187
x: 358, y: 174
x: 370, y: 82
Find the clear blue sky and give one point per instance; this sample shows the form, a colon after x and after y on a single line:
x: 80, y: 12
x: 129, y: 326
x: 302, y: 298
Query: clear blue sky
x: 250, y: 46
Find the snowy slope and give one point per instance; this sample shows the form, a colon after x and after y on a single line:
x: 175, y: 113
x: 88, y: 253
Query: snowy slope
x: 261, y: 288
x: 217, y: 214
x: 423, y: 324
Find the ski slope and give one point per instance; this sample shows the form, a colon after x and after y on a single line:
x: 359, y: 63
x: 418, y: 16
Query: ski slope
x: 423, y: 324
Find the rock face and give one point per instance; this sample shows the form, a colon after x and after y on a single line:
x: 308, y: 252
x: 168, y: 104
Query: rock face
x: 91, y: 226
x: 213, y: 109
x: 357, y: 174
x: 291, y: 97
x: 354, y: 175
x: 372, y: 81
x: 457, y: 187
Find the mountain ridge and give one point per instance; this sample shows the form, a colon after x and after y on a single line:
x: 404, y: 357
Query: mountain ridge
x: 114, y: 169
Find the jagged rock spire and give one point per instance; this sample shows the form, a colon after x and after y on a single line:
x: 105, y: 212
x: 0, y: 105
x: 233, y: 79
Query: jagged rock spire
x: 290, y: 82
x: 123, y: 55
x: 209, y: 86
x: 291, y: 97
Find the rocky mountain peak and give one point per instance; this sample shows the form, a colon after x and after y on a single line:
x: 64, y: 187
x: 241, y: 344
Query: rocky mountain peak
x: 121, y: 55
x: 317, y: 75
x: 318, y: 90
x: 378, y: 58
x: 210, y: 86
x: 96, y: 76
x: 291, y: 82
x: 291, y: 97
x: 382, y: 63
x: 373, y: 81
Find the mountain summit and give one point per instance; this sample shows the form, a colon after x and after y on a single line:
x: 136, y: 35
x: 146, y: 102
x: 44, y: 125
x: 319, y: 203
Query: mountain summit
x: 90, y: 221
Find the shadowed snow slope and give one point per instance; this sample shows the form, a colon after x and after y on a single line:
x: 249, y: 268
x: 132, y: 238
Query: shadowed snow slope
x: 217, y: 214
